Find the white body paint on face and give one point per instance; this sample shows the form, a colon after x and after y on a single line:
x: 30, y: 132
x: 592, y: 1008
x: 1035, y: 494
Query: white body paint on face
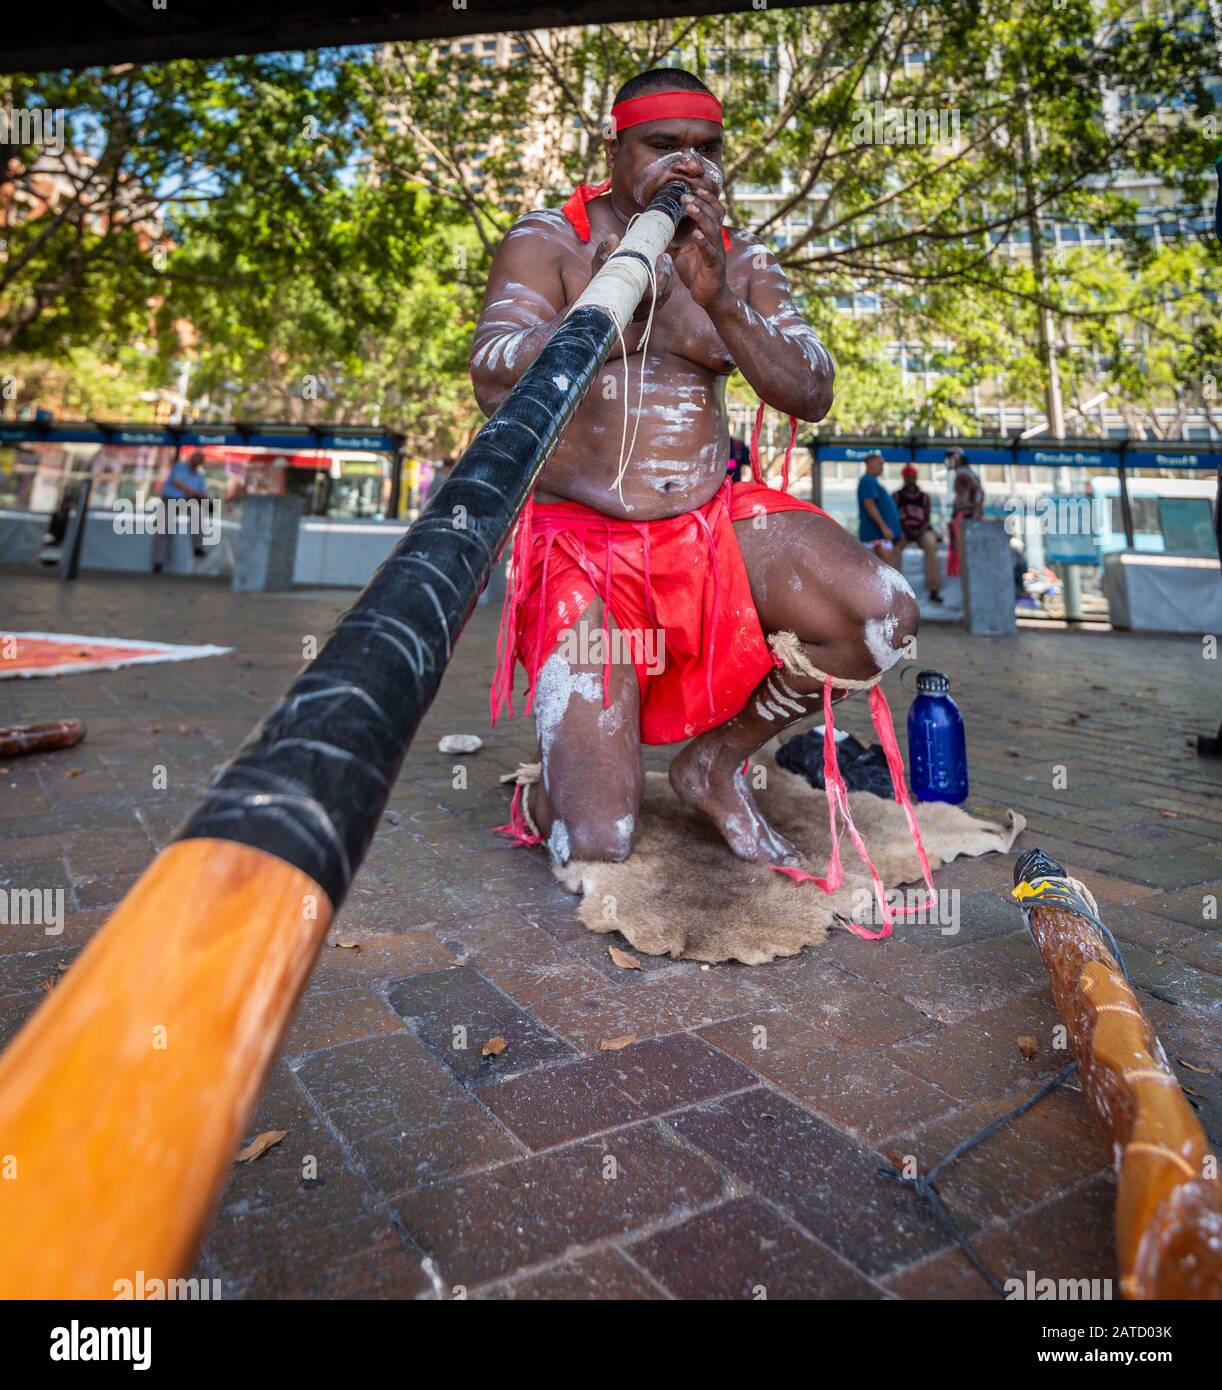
x: 712, y: 173
x: 656, y: 170
x: 883, y: 651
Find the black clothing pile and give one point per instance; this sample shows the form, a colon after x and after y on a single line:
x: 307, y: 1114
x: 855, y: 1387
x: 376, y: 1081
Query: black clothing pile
x: 863, y: 769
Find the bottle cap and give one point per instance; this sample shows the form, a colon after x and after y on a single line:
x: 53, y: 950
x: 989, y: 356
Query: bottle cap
x: 932, y: 683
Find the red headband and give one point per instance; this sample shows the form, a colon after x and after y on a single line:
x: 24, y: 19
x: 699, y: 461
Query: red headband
x: 665, y: 106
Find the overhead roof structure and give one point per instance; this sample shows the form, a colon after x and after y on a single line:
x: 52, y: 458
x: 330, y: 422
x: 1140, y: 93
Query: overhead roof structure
x: 134, y: 31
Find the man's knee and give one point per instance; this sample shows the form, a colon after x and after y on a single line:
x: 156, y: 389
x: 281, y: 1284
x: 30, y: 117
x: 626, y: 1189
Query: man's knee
x: 889, y: 616
x: 592, y: 835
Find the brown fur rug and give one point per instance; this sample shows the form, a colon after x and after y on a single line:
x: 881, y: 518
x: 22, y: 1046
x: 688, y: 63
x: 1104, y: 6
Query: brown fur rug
x: 682, y: 893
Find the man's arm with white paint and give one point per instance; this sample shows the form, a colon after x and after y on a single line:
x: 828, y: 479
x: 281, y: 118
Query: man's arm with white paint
x: 772, y: 344
x: 523, y: 307
x: 526, y: 302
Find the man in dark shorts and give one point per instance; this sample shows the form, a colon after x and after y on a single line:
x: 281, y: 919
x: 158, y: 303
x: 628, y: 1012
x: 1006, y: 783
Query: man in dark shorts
x: 915, y: 511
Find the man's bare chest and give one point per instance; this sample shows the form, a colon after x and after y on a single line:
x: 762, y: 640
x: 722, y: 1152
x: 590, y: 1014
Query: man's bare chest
x: 680, y: 327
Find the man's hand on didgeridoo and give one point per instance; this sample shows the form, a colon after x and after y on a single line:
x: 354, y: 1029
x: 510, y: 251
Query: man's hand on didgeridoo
x: 701, y: 260
x: 664, y: 273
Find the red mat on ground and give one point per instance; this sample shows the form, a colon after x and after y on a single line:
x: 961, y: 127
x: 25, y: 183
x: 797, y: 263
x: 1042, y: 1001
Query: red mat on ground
x: 65, y: 653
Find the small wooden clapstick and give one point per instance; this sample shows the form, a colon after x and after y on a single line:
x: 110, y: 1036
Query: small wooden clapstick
x: 19, y: 739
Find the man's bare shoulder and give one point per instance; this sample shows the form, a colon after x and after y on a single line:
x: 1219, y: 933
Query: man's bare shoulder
x: 747, y: 246
x: 546, y: 224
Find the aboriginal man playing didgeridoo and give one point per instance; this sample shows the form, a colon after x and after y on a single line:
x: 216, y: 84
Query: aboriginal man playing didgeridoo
x: 642, y: 606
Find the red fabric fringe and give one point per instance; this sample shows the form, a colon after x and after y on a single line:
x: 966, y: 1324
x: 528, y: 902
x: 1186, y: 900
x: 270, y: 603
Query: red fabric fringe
x: 838, y: 807
x: 518, y: 829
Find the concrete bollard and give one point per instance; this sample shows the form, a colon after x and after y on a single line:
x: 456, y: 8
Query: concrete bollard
x: 267, y: 543
x: 988, y: 579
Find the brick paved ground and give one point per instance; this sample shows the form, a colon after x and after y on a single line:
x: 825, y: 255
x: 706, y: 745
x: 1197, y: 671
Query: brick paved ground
x: 689, y: 1164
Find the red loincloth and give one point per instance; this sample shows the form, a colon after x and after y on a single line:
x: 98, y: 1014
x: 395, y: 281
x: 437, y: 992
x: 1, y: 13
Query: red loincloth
x: 677, y: 590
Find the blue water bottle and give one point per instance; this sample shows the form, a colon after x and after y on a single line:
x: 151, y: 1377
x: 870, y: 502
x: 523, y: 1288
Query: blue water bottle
x: 937, y: 744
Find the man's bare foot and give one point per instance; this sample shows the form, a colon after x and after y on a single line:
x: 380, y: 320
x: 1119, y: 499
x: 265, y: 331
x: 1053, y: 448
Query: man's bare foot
x: 723, y: 795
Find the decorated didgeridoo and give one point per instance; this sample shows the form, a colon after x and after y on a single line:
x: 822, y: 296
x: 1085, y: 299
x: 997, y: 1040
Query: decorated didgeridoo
x: 1168, y: 1192
x: 123, y: 1099
x: 19, y: 739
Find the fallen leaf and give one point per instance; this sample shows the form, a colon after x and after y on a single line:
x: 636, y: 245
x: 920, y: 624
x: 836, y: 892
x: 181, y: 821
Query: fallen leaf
x: 1028, y: 1046
x: 623, y: 959
x: 1192, y: 1066
x: 1171, y: 815
x: 493, y: 1047
x: 75, y: 772
x: 257, y: 1147
x: 348, y: 945
x: 48, y: 984
x: 614, y: 1044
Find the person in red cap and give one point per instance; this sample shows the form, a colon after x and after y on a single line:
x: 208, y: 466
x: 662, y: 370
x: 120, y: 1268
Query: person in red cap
x: 916, y: 526
x: 651, y: 599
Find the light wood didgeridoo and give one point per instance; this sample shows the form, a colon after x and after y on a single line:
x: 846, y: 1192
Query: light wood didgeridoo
x: 1168, y: 1193
x: 125, y: 1096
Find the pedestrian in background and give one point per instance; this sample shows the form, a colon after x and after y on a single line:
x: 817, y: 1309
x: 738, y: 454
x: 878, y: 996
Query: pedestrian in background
x: 878, y: 518
x: 916, y: 527
x: 967, y: 504
x: 185, y: 483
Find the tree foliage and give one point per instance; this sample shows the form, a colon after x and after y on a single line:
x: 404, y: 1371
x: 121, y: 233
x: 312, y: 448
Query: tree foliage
x: 324, y: 221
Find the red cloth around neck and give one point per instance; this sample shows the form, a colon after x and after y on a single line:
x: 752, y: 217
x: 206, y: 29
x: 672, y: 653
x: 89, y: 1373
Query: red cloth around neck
x: 575, y: 209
